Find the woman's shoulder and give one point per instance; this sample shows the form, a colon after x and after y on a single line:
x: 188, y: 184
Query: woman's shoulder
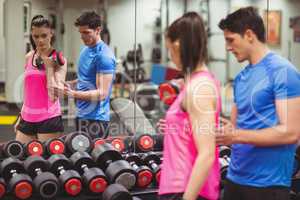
x: 202, y: 87
x: 28, y: 55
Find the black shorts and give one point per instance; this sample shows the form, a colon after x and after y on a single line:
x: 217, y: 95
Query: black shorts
x: 233, y: 191
x: 52, y: 125
x: 95, y: 128
x: 175, y: 196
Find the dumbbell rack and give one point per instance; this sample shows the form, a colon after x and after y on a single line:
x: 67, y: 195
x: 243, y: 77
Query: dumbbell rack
x: 149, y: 193
x: 144, y: 194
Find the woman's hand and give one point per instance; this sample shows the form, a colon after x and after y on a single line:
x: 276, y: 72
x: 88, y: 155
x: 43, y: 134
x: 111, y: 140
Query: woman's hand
x: 161, y: 125
x: 179, y: 82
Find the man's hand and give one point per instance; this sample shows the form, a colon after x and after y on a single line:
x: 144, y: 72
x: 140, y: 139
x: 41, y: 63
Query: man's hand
x: 226, y: 134
x: 63, y: 90
x: 71, y: 84
x: 68, y: 90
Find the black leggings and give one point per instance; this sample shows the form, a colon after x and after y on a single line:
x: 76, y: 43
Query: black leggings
x: 233, y: 191
x: 175, y: 196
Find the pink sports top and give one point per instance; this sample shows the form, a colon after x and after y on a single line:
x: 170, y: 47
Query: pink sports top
x: 180, y: 152
x: 37, y: 105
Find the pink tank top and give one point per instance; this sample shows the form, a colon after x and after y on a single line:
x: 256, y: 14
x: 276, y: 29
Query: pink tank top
x: 37, y: 105
x: 180, y: 152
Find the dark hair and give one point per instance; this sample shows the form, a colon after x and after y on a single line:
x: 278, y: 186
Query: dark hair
x: 243, y: 19
x: 190, y: 31
x: 40, y: 21
x: 90, y: 19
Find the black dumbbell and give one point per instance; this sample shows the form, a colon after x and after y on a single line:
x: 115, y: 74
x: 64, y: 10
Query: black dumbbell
x: 78, y: 141
x: 98, y: 141
x: 93, y: 177
x: 34, y: 147
x: 168, y: 92
x: 69, y: 179
x: 153, y: 161
x: 19, y: 184
x: 45, y: 183
x: 56, y: 56
x: 118, y: 143
x: 116, y: 169
x: 13, y: 149
x: 224, y: 159
x: 224, y: 163
x: 2, y: 187
x: 143, y: 142
x: 54, y: 146
x: 116, y: 192
x: 144, y: 173
x: 224, y: 151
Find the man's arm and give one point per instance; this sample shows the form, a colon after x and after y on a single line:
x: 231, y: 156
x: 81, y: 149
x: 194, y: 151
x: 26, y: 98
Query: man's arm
x: 103, y: 83
x: 286, y: 132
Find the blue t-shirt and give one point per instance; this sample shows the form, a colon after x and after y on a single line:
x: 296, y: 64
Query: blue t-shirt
x: 93, y: 60
x: 255, y: 90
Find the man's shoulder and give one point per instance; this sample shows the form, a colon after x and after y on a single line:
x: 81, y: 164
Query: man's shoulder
x: 277, y: 62
x: 240, y: 74
x: 84, y: 51
x: 104, y: 53
x: 280, y: 68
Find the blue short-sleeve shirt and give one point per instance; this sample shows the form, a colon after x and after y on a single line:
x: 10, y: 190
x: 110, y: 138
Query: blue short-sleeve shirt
x: 93, y: 60
x: 255, y: 90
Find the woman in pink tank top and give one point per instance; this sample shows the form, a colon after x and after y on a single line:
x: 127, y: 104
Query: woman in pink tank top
x: 40, y: 116
x: 190, y: 168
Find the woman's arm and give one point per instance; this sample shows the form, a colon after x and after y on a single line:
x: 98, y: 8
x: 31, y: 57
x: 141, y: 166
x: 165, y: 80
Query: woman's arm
x: 55, y: 77
x: 60, y: 75
x: 51, y: 83
x: 200, y: 103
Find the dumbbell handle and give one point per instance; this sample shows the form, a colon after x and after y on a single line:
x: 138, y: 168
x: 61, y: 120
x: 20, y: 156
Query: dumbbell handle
x: 153, y: 164
x: 226, y: 158
x: 38, y: 171
x: 85, y: 168
x: 134, y: 165
x: 13, y: 172
x: 107, y: 163
x: 61, y: 170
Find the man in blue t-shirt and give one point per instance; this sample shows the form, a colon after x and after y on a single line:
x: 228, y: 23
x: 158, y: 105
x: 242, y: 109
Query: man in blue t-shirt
x: 264, y: 129
x: 96, y: 69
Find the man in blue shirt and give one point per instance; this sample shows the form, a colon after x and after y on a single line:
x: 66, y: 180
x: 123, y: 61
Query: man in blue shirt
x: 96, y: 69
x: 264, y: 128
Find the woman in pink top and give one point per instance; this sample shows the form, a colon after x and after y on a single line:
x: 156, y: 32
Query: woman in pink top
x: 190, y: 168
x: 40, y: 116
